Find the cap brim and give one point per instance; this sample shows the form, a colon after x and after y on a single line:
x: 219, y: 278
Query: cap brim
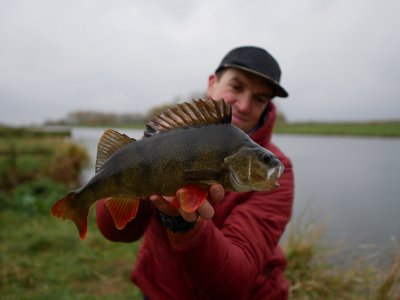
x: 279, y: 90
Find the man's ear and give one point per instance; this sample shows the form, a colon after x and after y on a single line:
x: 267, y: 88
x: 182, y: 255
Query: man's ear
x: 212, y: 80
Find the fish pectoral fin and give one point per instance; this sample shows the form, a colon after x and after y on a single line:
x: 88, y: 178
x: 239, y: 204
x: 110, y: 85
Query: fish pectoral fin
x: 206, y: 176
x: 191, y: 197
x: 122, y: 210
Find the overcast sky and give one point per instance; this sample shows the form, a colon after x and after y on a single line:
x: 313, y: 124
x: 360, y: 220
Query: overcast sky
x: 340, y: 58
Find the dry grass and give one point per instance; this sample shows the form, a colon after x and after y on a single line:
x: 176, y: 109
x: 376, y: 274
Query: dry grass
x: 313, y: 275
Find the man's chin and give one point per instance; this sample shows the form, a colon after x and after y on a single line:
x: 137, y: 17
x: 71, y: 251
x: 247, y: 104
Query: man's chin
x: 241, y: 126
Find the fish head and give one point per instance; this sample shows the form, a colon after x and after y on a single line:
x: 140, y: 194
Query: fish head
x: 253, y: 168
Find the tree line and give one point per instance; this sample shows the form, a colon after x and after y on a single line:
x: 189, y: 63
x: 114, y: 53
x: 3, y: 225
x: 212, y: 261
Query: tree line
x: 95, y: 118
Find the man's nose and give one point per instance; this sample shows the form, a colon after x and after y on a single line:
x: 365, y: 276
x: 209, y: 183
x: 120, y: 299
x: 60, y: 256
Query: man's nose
x: 243, y: 103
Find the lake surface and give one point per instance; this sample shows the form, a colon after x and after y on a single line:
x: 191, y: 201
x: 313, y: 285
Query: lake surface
x: 352, y: 184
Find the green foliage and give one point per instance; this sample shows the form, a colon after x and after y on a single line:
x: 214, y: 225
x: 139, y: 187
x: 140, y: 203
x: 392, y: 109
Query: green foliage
x: 40, y: 257
x: 378, y: 129
x: 26, y: 159
x: 95, y: 118
x: 66, y: 163
x: 19, y: 132
x: 34, y: 197
x: 43, y: 258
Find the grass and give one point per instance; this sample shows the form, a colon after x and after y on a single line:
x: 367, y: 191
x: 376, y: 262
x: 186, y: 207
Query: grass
x: 312, y: 274
x: 364, y: 129
x: 43, y: 258
x: 367, y: 129
x: 6, y: 131
x: 27, y: 158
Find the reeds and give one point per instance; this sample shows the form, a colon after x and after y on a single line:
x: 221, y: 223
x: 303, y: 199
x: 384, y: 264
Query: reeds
x: 313, y: 275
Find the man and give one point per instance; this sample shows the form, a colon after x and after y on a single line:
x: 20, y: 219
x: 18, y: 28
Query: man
x: 231, y: 251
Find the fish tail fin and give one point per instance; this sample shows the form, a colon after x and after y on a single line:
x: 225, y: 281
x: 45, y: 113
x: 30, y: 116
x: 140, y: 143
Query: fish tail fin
x: 65, y: 208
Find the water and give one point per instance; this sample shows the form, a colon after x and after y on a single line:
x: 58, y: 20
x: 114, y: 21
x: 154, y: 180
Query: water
x: 352, y: 184
x: 89, y: 137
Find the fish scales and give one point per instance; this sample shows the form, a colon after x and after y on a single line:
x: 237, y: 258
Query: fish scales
x: 188, y: 144
x: 141, y: 168
x: 158, y: 162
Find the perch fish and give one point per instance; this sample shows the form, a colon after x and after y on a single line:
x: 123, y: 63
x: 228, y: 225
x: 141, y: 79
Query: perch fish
x: 187, y: 148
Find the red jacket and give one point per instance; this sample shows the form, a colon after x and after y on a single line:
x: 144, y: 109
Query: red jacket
x: 233, y: 256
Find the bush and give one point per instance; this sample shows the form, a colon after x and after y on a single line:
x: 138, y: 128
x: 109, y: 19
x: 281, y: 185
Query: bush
x: 28, y: 159
x: 67, y: 163
x: 35, y: 197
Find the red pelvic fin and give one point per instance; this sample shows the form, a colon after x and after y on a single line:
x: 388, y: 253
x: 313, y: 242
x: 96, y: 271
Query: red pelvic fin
x: 191, y: 197
x: 65, y: 208
x: 174, y: 201
x: 122, y: 210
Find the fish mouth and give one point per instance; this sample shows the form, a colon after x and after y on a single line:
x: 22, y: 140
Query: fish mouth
x: 275, y: 172
x: 269, y: 182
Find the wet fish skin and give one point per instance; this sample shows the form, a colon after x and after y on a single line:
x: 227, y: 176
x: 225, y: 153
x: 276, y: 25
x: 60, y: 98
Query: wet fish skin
x: 166, y: 161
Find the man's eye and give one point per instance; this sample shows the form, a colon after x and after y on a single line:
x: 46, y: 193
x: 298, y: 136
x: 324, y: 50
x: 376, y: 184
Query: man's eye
x: 235, y: 87
x: 262, y: 100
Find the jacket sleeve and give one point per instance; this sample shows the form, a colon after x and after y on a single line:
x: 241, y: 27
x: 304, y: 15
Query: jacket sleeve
x: 132, y: 231
x: 238, y: 252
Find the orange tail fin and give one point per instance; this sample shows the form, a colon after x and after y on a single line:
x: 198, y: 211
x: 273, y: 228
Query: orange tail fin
x: 65, y: 208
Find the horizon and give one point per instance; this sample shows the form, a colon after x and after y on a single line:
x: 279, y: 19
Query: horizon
x: 339, y: 59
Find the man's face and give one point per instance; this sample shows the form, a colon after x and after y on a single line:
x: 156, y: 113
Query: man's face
x: 248, y: 94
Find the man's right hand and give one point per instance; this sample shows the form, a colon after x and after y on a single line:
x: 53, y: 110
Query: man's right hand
x: 206, y: 211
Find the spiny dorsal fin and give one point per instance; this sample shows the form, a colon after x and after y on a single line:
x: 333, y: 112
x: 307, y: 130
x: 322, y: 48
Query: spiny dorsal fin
x: 190, y: 114
x: 109, y: 143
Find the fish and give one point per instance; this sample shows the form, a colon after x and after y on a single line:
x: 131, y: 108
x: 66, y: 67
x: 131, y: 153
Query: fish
x: 186, y: 148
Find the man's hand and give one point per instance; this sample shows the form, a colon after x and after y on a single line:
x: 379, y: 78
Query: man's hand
x: 216, y: 193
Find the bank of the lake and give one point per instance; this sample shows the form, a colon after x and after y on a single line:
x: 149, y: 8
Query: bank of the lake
x: 363, y: 129
x: 366, y: 129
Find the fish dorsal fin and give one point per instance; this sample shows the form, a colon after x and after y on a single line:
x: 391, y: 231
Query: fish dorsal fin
x: 190, y: 114
x: 109, y: 143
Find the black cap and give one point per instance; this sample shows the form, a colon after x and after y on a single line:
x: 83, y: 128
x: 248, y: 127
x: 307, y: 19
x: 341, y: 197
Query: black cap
x: 257, y: 61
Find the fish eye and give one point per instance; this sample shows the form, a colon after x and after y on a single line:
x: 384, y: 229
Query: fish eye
x: 265, y: 158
